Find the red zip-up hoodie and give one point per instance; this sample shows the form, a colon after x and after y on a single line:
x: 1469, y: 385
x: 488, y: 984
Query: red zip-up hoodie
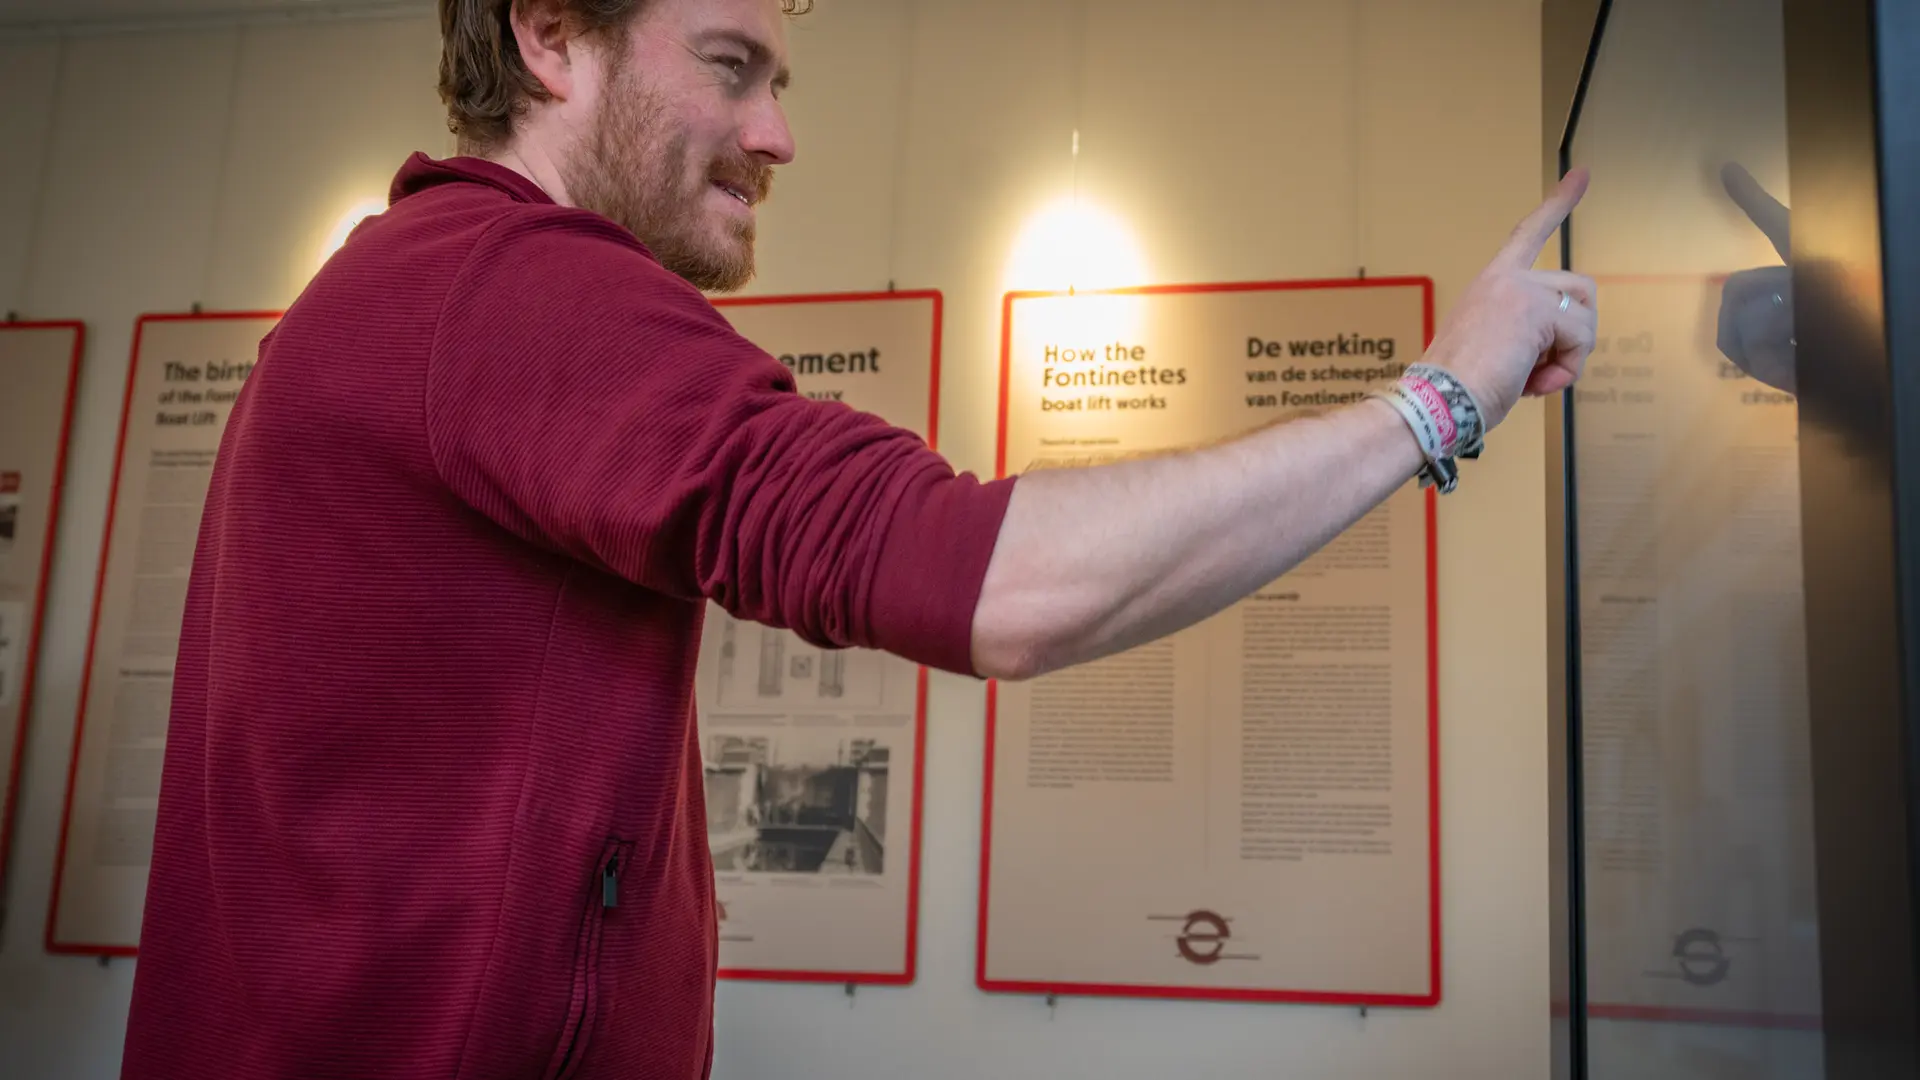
x: 432, y: 803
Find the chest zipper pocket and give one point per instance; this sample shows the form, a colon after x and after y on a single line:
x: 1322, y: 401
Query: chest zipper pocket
x: 583, y: 1006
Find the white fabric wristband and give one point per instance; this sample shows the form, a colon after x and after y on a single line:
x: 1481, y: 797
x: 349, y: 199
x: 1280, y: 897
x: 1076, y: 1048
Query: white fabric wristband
x: 1444, y: 419
x: 1426, y: 428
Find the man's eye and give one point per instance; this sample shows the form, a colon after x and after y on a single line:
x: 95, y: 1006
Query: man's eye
x: 734, y: 64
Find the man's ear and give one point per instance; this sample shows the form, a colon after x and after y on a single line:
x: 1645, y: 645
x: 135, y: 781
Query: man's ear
x: 541, y: 30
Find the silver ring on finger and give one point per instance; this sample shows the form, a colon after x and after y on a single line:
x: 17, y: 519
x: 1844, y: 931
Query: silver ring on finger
x: 1565, y: 301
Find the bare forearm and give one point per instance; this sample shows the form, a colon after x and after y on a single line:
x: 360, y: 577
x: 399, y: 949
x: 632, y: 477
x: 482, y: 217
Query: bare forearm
x: 1094, y: 561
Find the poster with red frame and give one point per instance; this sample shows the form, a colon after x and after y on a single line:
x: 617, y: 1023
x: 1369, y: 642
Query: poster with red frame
x: 39, y: 369
x: 1248, y: 809
x: 182, y: 379
x: 814, y: 757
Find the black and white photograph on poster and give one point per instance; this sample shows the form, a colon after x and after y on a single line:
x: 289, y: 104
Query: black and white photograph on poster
x: 797, y: 803
x: 9, y: 510
x: 766, y: 667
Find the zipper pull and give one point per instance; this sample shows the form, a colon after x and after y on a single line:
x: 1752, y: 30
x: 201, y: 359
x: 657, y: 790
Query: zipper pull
x: 610, y: 885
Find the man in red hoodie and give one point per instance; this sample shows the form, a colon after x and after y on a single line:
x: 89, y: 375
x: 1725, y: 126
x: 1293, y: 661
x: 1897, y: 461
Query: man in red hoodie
x: 432, y: 800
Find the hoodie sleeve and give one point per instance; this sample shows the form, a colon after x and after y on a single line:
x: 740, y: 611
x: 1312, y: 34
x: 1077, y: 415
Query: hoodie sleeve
x: 591, y: 402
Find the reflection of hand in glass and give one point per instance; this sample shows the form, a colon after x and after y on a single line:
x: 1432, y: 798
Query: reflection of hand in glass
x: 1756, y: 307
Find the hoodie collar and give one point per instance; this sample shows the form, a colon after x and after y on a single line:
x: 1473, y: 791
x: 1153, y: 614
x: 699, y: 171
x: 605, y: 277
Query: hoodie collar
x: 421, y: 172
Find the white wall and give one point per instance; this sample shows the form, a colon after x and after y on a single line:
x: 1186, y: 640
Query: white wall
x: 1250, y: 139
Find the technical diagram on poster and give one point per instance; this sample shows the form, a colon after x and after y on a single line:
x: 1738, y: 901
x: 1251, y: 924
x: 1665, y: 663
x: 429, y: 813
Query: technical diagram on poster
x: 760, y: 666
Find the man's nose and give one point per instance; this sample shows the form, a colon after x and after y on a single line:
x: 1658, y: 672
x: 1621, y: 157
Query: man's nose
x: 766, y: 134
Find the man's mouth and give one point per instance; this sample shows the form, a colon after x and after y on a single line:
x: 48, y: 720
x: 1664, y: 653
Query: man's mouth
x: 735, y: 192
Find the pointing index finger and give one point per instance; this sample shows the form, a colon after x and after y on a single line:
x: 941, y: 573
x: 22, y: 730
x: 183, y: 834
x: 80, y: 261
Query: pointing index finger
x: 1762, y: 209
x: 1533, y: 232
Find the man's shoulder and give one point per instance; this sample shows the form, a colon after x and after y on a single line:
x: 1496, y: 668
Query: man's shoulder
x: 571, y: 241
x: 473, y: 219
x: 484, y: 222
x: 564, y: 258
x: 571, y: 228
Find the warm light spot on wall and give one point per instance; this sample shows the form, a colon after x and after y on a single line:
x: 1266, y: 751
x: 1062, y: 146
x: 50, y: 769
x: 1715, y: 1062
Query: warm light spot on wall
x: 1073, y: 244
x: 360, y: 211
x: 1076, y: 246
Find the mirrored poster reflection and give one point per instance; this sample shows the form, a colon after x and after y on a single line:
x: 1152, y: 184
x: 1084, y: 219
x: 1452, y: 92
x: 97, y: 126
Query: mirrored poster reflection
x: 1698, y: 801
x: 1702, y: 949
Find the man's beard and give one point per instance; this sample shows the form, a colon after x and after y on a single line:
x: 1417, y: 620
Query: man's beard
x: 631, y: 169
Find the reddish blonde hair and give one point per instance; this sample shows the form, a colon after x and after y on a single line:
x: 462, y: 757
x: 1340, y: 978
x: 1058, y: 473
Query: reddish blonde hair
x: 484, y: 82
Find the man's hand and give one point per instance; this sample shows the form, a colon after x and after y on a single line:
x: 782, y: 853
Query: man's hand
x: 1091, y: 562
x: 1756, y: 306
x: 1508, y: 337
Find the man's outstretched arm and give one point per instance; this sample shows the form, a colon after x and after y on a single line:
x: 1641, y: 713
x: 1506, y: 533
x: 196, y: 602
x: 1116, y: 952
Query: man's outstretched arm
x: 1094, y: 561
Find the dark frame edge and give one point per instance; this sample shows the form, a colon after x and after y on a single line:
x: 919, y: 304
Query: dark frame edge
x: 1567, y: 897
x: 1851, y: 103
x: 1896, y: 28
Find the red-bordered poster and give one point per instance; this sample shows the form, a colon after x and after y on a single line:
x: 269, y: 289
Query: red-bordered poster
x: 39, y: 368
x: 1697, y: 783
x: 1248, y: 809
x: 814, y: 757
x: 182, y: 379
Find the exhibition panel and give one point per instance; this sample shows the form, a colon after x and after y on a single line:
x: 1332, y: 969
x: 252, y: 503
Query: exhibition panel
x: 813, y: 756
x: 185, y: 374
x: 39, y: 367
x: 1225, y: 812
